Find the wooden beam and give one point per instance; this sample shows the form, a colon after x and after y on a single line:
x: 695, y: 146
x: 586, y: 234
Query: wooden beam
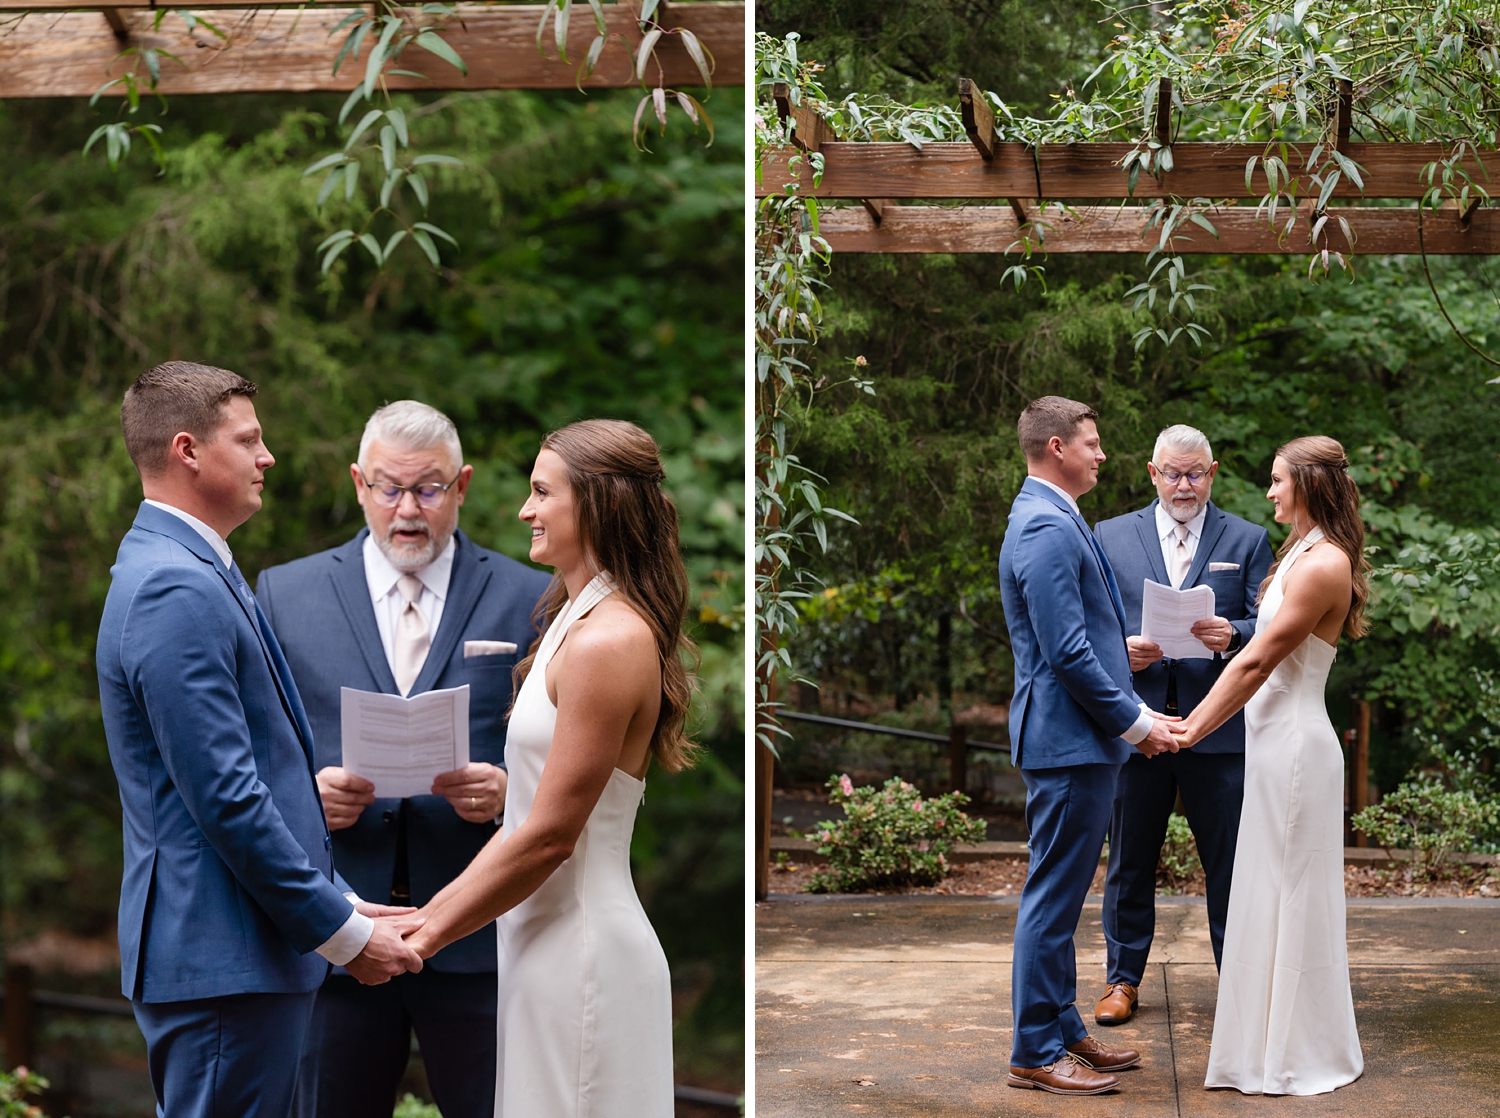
x: 978, y: 117
x: 809, y: 130
x: 1378, y: 231
x: 875, y: 207
x: 72, y: 54
x: 1345, y: 112
x: 1092, y: 170
x: 116, y: 23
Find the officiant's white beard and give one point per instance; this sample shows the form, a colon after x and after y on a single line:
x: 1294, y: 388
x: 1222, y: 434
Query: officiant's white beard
x: 409, y: 558
x: 1183, y: 511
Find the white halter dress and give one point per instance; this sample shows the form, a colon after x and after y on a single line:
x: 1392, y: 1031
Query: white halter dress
x: 585, y: 998
x: 1285, y: 1018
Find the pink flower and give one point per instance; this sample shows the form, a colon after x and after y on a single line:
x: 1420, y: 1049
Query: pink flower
x: 917, y: 806
x: 923, y: 846
x: 846, y: 786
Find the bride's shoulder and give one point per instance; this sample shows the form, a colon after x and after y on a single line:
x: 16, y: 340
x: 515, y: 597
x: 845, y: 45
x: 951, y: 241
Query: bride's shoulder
x: 612, y: 628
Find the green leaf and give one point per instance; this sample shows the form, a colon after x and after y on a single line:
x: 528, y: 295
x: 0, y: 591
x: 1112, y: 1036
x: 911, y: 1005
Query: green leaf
x: 425, y: 242
x: 599, y: 24
x: 694, y: 110
x: 359, y: 129
x: 596, y: 48
x: 328, y: 184
x: 418, y: 187
x: 335, y: 238
x: 435, y: 231
x: 447, y: 160
x: 153, y: 65
x: 351, y: 177
x: 333, y: 253
x: 372, y: 246
x: 352, y: 40
x: 560, y: 28
x: 541, y: 27
x: 398, y: 122
x: 699, y: 54
x: 354, y: 97
x: 98, y: 93
x: 387, y: 188
x: 388, y: 148
x: 643, y: 55
x: 396, y: 238
x: 433, y: 43
x: 326, y: 161
x: 648, y: 10
x: 378, y: 54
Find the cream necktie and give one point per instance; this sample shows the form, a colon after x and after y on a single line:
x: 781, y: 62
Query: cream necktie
x: 412, y: 639
x: 1181, y: 560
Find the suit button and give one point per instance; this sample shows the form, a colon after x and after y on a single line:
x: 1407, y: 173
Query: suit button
x: 327, y: 842
x: 387, y: 816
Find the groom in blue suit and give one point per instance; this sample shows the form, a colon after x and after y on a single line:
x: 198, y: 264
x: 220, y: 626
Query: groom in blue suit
x: 1073, y: 721
x: 229, y: 911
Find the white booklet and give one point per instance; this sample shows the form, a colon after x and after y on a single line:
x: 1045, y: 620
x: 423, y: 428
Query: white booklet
x: 1167, y: 617
x: 399, y: 744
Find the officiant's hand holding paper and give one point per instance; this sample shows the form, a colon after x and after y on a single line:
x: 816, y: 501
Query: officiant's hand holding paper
x: 1215, y: 633
x: 1168, y: 617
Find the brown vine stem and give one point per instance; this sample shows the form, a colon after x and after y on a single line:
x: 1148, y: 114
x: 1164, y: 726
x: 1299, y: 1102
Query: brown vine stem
x: 1426, y: 271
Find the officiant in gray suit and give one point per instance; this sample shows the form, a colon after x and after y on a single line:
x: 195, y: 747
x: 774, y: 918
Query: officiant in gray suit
x: 407, y: 606
x: 1181, y: 540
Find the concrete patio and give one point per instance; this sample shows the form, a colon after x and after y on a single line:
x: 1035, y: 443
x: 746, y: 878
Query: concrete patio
x: 901, y: 1006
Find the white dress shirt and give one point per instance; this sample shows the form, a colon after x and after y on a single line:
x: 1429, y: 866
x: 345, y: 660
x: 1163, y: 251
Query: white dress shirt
x: 1166, y: 530
x: 1142, y: 725
x: 381, y: 577
x: 350, y: 939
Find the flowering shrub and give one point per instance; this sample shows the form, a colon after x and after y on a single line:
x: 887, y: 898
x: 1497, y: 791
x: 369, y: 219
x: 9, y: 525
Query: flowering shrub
x: 889, y: 836
x: 1179, y: 860
x: 14, y: 1087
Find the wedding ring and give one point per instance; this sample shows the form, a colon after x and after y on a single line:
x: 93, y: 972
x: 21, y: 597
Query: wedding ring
x: 473, y: 803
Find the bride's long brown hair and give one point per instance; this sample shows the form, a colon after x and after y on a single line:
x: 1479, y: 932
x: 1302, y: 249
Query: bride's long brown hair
x: 628, y: 527
x: 1326, y: 493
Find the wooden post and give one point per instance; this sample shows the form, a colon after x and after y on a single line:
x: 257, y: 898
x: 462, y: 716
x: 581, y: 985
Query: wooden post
x: 875, y: 207
x: 978, y: 117
x: 116, y: 23
x: 1345, y: 112
x: 1164, y: 112
x: 958, y: 757
x: 809, y: 130
x: 20, y: 1016
x: 1361, y: 791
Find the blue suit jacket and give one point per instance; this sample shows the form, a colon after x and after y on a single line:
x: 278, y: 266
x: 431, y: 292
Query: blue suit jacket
x: 320, y: 608
x: 227, y: 886
x: 1134, y: 550
x: 1073, y: 696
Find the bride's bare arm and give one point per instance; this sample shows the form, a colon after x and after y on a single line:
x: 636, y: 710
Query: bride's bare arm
x: 605, y: 685
x: 1317, y: 591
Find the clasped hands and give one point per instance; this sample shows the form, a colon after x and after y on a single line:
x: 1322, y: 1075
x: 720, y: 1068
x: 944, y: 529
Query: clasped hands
x: 1169, y: 733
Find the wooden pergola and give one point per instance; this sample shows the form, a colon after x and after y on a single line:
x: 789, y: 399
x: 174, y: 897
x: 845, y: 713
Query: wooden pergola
x: 64, y: 48
x: 1077, y: 198
x: 1102, y: 214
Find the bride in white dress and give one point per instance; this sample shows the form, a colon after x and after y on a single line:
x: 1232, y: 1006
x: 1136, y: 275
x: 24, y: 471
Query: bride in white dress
x: 1284, y: 1024
x: 585, y: 1006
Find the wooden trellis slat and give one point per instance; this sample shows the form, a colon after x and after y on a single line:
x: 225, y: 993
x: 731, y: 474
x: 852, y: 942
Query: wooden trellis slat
x: 1090, y: 170
x: 72, y: 54
x: 1111, y: 229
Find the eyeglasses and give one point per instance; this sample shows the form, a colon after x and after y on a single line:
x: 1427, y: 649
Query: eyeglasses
x: 428, y: 495
x: 1173, y: 477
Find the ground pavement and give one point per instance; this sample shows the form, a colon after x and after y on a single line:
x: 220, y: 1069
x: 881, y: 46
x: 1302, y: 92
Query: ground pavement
x: 900, y: 1006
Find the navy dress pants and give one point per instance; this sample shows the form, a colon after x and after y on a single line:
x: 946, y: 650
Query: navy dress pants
x: 1213, y: 788
x: 360, y: 1042
x: 1067, y: 812
x: 236, y: 1055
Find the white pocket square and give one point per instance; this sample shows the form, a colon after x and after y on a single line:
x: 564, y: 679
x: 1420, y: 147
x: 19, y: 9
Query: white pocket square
x: 1223, y: 566
x: 487, y: 648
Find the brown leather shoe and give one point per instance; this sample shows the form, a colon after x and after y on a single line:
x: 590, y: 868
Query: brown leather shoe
x: 1118, y: 1004
x: 1091, y: 1053
x: 1067, y: 1076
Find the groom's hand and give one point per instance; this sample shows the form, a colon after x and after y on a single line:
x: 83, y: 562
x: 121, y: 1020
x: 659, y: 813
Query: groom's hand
x: 387, y: 954
x: 1143, y: 653
x: 1160, y: 739
x: 344, y: 795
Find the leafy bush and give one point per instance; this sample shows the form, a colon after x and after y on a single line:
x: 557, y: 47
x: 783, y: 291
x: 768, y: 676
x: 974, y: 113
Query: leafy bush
x: 889, y: 836
x: 1179, y: 855
x: 14, y: 1087
x: 1423, y: 815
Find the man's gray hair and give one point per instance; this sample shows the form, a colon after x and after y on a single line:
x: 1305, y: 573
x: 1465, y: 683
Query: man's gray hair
x: 1183, y: 439
x: 410, y: 425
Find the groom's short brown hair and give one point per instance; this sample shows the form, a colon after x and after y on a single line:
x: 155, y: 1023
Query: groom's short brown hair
x: 175, y: 396
x: 1047, y: 417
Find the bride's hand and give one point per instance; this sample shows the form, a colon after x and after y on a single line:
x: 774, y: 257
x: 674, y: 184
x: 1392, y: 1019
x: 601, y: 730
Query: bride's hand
x: 415, y: 939
x: 1186, y: 733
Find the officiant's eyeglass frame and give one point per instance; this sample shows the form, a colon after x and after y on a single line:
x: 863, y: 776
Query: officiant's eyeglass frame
x: 1173, y: 477
x: 428, y: 495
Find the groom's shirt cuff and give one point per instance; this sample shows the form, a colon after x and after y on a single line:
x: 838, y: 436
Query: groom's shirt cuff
x: 349, y: 940
x: 1137, y: 733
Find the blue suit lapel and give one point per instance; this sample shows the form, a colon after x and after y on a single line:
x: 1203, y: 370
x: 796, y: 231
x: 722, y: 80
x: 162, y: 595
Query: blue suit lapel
x: 471, y: 573
x: 353, y: 592
x: 153, y: 519
x: 1145, y: 525
x: 1213, y: 528
x: 1051, y: 496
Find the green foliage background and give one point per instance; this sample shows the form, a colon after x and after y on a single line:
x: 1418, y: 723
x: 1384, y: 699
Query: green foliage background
x: 929, y: 465
x: 591, y: 280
